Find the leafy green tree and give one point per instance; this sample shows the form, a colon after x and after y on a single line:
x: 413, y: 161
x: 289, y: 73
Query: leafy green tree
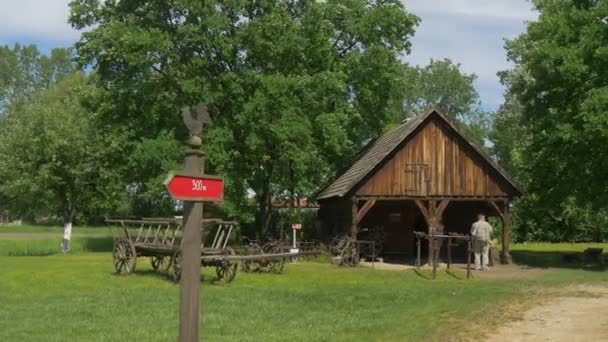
x: 560, y: 85
x: 54, y: 160
x: 24, y: 71
x: 294, y: 87
x: 441, y: 84
x: 510, y: 135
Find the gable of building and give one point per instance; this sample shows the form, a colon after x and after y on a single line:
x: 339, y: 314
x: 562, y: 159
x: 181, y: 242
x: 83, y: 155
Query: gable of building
x: 425, y: 156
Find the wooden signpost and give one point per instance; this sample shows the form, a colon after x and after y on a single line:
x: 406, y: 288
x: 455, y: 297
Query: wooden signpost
x: 193, y: 187
x: 295, y: 227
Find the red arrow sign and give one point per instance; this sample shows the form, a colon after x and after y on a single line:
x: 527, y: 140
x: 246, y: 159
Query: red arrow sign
x: 195, y: 188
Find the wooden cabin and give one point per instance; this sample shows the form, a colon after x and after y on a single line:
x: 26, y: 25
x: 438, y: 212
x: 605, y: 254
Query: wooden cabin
x: 409, y: 178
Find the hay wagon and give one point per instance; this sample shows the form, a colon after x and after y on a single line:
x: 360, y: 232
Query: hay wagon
x: 161, y: 240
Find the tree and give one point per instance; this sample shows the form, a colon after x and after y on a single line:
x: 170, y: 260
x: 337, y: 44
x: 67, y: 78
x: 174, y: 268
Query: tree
x: 294, y: 87
x: 54, y: 161
x: 560, y: 85
x: 441, y: 84
x: 509, y: 134
x: 24, y: 71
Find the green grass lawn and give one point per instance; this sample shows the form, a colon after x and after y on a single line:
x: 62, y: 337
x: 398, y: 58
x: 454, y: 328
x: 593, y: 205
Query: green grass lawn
x: 43, y: 240
x: 77, y: 297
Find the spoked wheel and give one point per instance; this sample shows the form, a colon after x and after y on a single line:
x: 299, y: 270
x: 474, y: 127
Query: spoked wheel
x: 160, y: 263
x: 350, y: 254
x: 176, y: 265
x: 276, y: 266
x: 226, y: 271
x: 124, y: 256
x: 251, y: 266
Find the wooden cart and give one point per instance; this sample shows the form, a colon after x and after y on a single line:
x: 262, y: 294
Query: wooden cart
x: 161, y: 239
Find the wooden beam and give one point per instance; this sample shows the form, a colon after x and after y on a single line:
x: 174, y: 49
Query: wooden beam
x: 497, y: 208
x: 442, y: 206
x: 439, y: 198
x: 506, y: 236
x: 353, y: 226
x: 364, y: 210
x: 423, y: 210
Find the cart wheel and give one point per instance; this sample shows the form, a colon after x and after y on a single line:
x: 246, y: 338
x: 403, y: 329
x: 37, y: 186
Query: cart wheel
x: 124, y: 256
x: 276, y: 266
x: 176, y: 266
x: 250, y: 266
x: 226, y: 271
x: 160, y: 263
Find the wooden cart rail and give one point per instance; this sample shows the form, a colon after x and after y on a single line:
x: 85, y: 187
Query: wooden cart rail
x: 255, y: 257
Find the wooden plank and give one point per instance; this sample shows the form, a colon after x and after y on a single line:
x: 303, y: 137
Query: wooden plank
x: 364, y: 210
x: 353, y: 227
x: 451, y: 198
x: 497, y: 208
x: 423, y: 209
x: 442, y: 206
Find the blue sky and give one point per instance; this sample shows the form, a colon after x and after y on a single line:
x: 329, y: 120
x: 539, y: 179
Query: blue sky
x: 470, y: 32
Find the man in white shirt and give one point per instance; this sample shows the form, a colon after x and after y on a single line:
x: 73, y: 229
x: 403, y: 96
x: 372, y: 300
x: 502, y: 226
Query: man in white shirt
x: 481, y: 232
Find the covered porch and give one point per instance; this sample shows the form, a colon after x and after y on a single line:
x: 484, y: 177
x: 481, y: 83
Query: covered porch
x: 392, y: 222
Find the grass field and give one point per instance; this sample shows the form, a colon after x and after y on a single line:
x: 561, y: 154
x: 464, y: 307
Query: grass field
x: 77, y: 297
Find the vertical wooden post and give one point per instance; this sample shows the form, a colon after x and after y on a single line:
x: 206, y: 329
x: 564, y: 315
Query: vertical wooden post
x: 469, y: 251
x: 506, y: 235
x: 418, y: 252
x: 434, y: 239
x: 449, y: 253
x: 189, y: 306
x: 505, y: 218
x: 359, y: 214
x: 354, y: 224
x: 426, y: 212
x: 432, y: 231
x: 432, y: 213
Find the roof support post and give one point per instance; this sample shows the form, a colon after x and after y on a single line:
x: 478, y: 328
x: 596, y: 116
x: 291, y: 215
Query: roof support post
x: 432, y: 210
x: 359, y: 214
x: 505, y: 218
x: 354, y: 228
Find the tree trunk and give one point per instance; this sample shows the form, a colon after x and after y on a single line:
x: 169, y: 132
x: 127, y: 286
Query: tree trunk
x: 67, y: 232
x: 264, y: 215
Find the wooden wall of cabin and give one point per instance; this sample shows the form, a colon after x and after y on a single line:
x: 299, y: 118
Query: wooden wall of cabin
x: 435, y: 161
x: 399, y: 219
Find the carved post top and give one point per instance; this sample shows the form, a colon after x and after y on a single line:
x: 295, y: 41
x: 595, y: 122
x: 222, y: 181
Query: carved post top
x: 195, y: 123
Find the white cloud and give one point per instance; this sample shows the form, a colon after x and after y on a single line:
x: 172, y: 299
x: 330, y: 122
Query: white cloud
x: 497, y: 9
x: 42, y: 19
x: 472, y: 33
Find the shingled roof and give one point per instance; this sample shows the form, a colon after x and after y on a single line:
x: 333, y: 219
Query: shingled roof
x: 379, y: 149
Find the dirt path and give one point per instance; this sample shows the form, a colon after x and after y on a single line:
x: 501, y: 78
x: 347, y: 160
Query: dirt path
x: 577, y: 314
x: 498, y: 272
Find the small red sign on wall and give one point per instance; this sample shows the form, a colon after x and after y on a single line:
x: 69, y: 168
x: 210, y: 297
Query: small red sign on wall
x: 195, y: 188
